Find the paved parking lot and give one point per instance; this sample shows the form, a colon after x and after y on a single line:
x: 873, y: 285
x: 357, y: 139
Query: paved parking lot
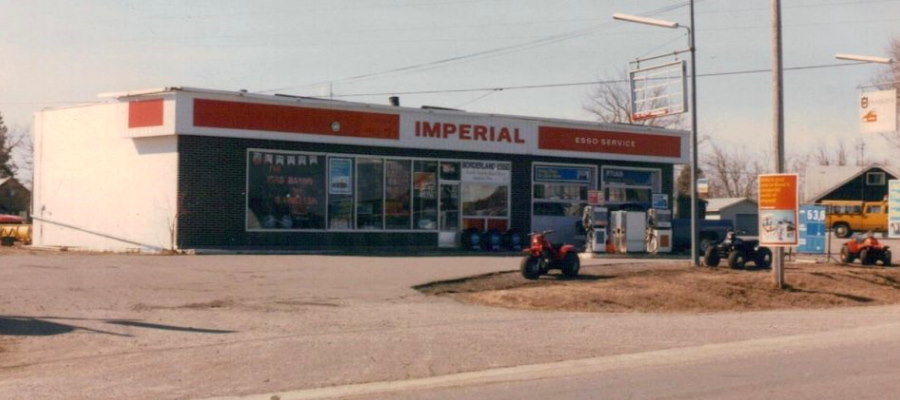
x: 172, y: 327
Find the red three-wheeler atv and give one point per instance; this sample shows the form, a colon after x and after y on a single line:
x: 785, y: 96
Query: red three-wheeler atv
x: 542, y: 256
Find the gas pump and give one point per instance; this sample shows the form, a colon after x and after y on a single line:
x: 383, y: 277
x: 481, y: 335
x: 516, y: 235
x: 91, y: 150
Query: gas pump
x: 629, y: 231
x: 659, y: 230
x: 596, y: 221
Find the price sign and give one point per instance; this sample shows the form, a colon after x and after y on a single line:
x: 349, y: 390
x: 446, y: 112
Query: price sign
x: 812, y: 229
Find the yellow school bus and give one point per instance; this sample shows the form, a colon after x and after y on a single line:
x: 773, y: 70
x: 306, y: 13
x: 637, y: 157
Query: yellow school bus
x: 847, y: 216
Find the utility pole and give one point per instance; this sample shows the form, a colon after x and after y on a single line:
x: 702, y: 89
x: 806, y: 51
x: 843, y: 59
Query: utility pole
x: 778, y: 106
x: 695, y: 236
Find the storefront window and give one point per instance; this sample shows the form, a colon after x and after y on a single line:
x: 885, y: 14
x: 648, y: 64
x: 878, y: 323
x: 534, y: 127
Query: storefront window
x: 340, y: 193
x: 484, y: 200
x: 425, y: 194
x: 369, y: 193
x: 285, y: 191
x: 561, y: 190
x: 398, y: 194
x: 630, y: 185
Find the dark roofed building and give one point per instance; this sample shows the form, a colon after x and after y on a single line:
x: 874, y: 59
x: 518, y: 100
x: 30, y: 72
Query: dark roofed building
x: 867, y: 183
x: 14, y: 197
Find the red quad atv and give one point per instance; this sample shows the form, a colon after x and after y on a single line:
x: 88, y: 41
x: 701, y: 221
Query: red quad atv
x: 543, y: 256
x: 868, y: 249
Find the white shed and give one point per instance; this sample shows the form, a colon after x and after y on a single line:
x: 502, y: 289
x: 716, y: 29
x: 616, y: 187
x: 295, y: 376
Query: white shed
x: 743, y: 212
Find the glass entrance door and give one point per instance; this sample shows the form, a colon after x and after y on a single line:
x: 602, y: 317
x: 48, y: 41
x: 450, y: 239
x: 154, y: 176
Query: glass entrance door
x: 448, y: 215
x: 449, y: 207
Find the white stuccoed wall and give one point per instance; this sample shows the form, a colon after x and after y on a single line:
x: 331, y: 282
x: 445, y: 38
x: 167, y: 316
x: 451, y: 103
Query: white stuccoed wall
x: 95, y: 188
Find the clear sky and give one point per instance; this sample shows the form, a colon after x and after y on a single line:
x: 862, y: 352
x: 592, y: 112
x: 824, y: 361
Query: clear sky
x: 63, y: 52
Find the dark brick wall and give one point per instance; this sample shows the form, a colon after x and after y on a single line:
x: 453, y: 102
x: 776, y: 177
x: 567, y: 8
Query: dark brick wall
x: 212, y: 199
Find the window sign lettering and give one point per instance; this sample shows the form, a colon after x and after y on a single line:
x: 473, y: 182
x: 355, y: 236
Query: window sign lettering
x: 563, y: 174
x: 485, y: 172
x: 627, y: 177
x: 285, y: 191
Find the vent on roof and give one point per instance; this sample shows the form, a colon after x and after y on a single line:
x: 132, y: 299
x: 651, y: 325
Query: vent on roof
x: 441, y: 108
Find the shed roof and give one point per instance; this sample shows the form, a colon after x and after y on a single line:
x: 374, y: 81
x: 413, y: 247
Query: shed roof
x: 716, y: 205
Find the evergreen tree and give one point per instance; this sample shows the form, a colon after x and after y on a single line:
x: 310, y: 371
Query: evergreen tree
x: 7, y: 166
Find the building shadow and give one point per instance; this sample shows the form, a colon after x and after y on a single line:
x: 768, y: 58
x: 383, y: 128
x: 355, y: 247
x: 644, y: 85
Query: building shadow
x: 43, y: 326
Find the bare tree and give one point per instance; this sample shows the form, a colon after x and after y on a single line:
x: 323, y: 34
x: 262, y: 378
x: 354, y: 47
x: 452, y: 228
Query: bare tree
x: 889, y: 78
x: 839, y: 155
x: 732, y: 172
x: 611, y: 102
x: 23, y: 153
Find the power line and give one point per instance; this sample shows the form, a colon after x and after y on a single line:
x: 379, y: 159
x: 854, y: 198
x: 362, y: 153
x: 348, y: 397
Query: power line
x: 480, y: 54
x: 586, y: 83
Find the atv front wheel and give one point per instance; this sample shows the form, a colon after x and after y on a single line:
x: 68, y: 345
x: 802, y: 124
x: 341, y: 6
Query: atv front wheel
x: 531, y: 267
x: 846, y: 257
x: 864, y: 257
x: 886, y: 258
x: 711, y: 257
x: 764, y: 257
x: 736, y: 259
x: 571, y: 265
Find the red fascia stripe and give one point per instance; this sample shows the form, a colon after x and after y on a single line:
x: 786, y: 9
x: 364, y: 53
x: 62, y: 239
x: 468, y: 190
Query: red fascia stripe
x: 291, y: 119
x: 596, y: 141
x: 145, y: 113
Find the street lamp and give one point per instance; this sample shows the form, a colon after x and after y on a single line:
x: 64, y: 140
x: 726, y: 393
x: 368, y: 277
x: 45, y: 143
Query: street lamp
x: 695, y: 259
x: 869, y: 59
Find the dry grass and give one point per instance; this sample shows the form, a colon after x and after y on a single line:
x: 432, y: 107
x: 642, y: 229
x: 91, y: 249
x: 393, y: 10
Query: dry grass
x: 676, y: 287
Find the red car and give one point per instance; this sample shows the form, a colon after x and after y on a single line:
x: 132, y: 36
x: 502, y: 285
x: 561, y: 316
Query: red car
x: 867, y: 249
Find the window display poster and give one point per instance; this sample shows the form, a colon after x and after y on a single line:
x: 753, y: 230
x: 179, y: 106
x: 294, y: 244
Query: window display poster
x: 812, y: 229
x: 340, y: 176
x: 660, y: 201
x: 547, y: 173
x: 894, y: 208
x: 285, y: 190
x: 426, y: 185
x: 485, y: 172
x: 778, y: 209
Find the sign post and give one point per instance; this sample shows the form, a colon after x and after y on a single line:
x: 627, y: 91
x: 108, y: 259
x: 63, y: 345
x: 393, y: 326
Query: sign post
x: 778, y: 216
x: 894, y: 208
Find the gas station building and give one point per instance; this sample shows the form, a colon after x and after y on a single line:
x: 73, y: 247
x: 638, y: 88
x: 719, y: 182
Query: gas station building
x: 186, y: 168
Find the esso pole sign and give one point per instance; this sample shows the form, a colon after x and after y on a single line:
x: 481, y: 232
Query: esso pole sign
x: 778, y: 210
x: 878, y: 111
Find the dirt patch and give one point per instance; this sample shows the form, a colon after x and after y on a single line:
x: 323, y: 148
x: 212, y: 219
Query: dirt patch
x: 676, y: 287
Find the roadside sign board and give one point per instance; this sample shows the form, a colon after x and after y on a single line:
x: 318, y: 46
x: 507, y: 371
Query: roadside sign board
x: 894, y: 208
x: 658, y: 91
x: 878, y: 111
x: 778, y: 209
x: 812, y: 229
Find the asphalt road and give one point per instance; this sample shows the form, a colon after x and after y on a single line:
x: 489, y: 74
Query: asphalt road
x: 850, y: 364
